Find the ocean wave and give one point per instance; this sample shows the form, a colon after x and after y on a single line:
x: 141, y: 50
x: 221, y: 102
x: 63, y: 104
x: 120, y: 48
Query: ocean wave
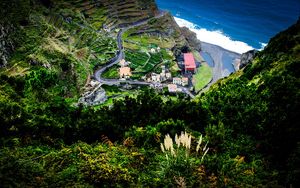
x: 263, y: 45
x: 216, y: 37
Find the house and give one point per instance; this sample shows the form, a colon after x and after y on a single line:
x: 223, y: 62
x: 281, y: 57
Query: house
x: 172, y: 88
x: 177, y: 81
x: 184, y: 81
x: 163, y: 77
x: 168, y: 75
x: 189, y: 62
x: 155, y: 77
x: 125, y: 72
x: 124, y: 63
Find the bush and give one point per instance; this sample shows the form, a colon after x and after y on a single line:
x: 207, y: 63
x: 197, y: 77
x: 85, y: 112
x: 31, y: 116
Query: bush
x: 178, y: 162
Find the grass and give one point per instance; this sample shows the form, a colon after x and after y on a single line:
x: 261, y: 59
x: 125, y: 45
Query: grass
x: 141, y: 62
x: 111, y: 73
x: 113, y: 93
x: 175, y: 70
x: 144, y: 40
x: 202, y: 77
x: 197, y: 56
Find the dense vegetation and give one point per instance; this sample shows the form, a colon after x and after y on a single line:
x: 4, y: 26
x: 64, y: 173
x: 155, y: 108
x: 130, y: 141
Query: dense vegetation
x: 249, y: 120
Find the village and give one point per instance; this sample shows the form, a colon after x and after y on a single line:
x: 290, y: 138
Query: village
x: 164, y: 78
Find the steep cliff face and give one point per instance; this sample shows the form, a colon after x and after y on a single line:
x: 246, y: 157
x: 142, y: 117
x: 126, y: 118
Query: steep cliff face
x: 6, y: 43
x: 262, y: 100
x: 13, y: 14
x: 247, y: 58
x: 191, y: 38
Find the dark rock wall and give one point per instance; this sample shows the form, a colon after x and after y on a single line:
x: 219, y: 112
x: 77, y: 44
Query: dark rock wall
x: 247, y: 57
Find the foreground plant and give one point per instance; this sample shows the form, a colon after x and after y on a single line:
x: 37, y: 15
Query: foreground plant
x: 178, y: 161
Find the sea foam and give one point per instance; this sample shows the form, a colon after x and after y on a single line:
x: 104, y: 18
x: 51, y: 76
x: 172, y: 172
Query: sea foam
x: 215, y: 37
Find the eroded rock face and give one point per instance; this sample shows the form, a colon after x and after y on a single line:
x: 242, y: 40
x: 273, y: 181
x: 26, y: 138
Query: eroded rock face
x: 6, y: 44
x: 94, y: 95
x: 191, y: 38
x: 247, y: 57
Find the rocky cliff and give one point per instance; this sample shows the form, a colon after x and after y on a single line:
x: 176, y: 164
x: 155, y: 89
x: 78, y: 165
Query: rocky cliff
x: 191, y: 38
x: 246, y: 58
x: 6, y: 43
x: 13, y: 15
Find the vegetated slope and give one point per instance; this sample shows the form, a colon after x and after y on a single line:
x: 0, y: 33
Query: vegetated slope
x: 262, y: 101
x: 167, y: 34
x: 55, y: 40
x: 113, y: 14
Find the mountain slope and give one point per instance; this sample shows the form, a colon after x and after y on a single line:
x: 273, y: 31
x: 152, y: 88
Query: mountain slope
x: 262, y: 100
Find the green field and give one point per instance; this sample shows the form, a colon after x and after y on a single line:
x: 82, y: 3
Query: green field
x: 111, y: 73
x: 202, y: 77
x: 144, y: 40
x: 142, y: 62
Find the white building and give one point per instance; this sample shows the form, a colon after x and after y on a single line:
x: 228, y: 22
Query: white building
x: 177, y: 81
x: 155, y: 77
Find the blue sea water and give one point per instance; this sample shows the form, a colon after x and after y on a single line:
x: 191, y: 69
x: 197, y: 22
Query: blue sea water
x: 237, y: 25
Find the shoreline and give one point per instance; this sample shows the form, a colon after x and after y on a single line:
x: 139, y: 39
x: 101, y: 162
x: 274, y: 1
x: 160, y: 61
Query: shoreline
x: 215, y: 37
x: 223, y: 61
x: 221, y: 48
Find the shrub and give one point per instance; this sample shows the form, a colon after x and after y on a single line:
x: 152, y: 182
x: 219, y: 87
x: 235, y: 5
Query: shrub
x: 178, y: 163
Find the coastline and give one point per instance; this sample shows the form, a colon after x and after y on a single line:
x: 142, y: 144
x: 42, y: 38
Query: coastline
x: 215, y: 37
x: 223, y: 61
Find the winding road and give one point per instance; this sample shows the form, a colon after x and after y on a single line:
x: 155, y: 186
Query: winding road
x: 121, y: 55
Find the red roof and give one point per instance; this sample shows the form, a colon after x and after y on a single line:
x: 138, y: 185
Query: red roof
x: 189, y: 61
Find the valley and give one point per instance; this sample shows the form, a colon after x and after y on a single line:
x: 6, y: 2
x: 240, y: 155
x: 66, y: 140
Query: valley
x: 98, y: 93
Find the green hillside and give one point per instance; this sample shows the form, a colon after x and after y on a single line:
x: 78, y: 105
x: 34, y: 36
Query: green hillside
x: 242, y: 132
x: 262, y: 101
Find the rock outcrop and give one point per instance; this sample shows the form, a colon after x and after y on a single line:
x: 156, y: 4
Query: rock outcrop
x: 191, y: 38
x: 94, y: 95
x: 6, y: 44
x: 247, y: 57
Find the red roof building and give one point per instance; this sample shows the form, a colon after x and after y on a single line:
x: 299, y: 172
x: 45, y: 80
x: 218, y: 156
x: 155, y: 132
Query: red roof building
x: 189, y: 62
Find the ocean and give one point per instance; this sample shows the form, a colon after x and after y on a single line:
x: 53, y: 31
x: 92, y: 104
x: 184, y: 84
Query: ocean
x: 236, y: 25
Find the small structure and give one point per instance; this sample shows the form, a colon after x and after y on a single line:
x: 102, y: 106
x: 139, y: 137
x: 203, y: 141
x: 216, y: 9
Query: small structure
x: 124, y: 63
x: 184, y: 81
x: 125, y: 72
x: 181, y: 81
x: 155, y: 77
x: 177, y: 81
x: 163, y: 69
x: 189, y: 62
x: 152, y: 50
x: 172, y: 88
x: 168, y: 75
x: 163, y: 77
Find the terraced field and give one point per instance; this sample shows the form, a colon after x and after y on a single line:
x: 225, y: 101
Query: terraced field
x: 103, y: 15
x: 162, y: 31
x: 113, y: 14
x: 142, y: 62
